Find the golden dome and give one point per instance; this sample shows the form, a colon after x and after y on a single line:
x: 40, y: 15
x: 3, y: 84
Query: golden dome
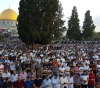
x: 8, y: 14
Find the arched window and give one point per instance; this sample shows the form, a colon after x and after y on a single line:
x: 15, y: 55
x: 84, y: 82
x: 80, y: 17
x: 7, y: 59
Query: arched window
x: 7, y: 21
x: 3, y: 22
x: 11, y: 22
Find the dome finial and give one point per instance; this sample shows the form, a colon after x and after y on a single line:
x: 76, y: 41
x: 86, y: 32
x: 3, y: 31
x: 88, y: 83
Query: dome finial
x: 9, y: 6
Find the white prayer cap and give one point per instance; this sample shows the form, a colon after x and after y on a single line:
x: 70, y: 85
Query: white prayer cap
x: 6, y: 55
x: 41, y: 55
x: 33, y: 50
x: 11, y: 54
x: 24, y: 54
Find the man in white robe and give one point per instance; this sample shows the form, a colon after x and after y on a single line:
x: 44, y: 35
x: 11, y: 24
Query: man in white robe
x: 64, y: 81
x: 70, y: 81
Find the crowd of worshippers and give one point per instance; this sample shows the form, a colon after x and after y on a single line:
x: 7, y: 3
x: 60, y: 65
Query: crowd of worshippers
x: 49, y: 66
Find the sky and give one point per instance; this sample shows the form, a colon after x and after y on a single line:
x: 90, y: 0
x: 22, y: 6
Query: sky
x: 82, y: 7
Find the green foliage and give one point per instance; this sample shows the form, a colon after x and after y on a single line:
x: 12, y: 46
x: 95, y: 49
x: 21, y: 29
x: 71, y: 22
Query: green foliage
x: 1, y: 35
x: 96, y: 36
x: 36, y: 20
x: 73, y: 25
x: 59, y: 23
x: 88, y: 26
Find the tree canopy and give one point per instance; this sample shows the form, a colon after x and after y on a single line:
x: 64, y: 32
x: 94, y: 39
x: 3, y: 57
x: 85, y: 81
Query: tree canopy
x: 59, y: 23
x: 88, y: 26
x: 36, y: 20
x: 73, y: 25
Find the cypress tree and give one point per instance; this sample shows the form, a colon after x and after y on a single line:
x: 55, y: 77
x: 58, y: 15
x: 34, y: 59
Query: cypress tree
x: 59, y: 23
x: 88, y: 26
x: 36, y: 20
x: 73, y: 25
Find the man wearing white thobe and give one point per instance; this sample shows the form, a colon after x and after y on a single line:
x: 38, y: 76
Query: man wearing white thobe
x: 70, y: 81
x: 64, y: 81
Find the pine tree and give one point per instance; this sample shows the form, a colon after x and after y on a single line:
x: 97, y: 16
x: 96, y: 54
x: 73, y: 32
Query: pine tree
x: 36, y: 20
x: 59, y: 23
x: 73, y: 25
x: 88, y: 26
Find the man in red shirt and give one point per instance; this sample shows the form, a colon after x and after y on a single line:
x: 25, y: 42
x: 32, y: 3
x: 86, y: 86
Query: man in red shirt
x: 19, y: 83
x: 56, y: 63
x: 91, y: 81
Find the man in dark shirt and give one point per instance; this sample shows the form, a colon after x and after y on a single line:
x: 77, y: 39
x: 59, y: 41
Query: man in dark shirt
x: 7, y: 84
x: 37, y: 82
x: 1, y: 81
x: 97, y: 80
x: 23, y: 66
x: 50, y: 65
x: 28, y: 83
x: 28, y: 67
x: 77, y: 81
